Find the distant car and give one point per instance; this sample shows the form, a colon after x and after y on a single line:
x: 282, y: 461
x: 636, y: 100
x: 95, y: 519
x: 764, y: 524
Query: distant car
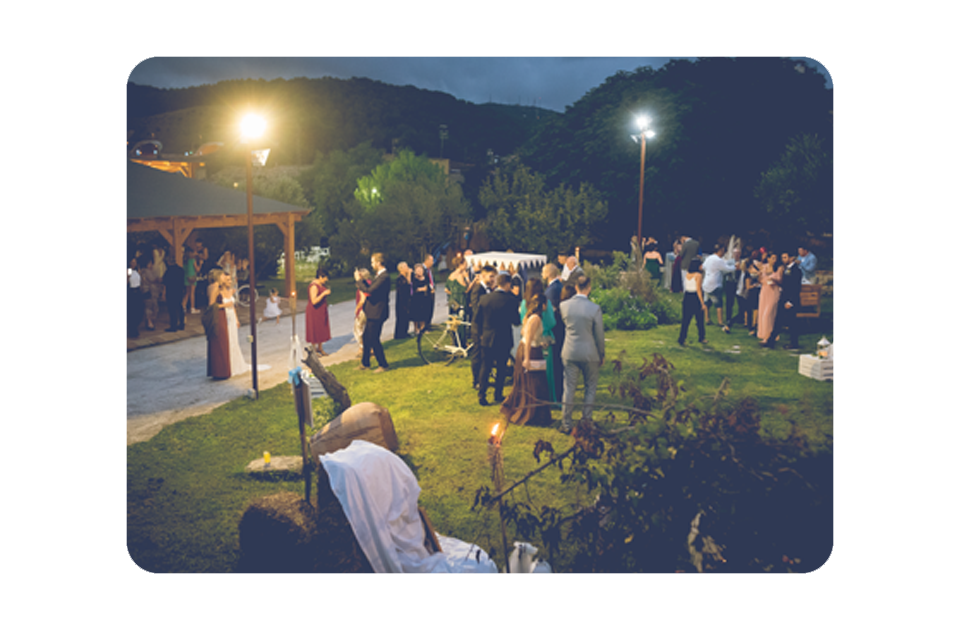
x: 147, y: 149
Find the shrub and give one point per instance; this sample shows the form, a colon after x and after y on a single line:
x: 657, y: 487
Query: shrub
x: 601, y: 277
x: 622, y: 311
x: 666, y: 309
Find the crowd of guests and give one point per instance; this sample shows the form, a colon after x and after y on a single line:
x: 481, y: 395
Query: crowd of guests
x: 763, y: 284
x: 561, y: 330
x: 561, y: 337
x: 199, y: 287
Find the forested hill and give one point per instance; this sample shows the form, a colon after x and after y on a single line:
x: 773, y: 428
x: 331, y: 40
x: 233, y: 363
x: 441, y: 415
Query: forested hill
x: 324, y: 114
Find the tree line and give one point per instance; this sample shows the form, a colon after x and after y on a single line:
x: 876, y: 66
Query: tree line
x: 742, y: 146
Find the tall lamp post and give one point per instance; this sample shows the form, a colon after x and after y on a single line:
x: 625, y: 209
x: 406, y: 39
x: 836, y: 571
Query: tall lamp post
x: 643, y: 122
x: 251, y: 127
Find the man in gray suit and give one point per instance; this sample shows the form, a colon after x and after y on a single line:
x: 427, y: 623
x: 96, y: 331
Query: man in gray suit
x: 583, y: 350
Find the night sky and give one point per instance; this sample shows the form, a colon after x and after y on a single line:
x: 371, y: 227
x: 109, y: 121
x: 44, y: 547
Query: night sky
x: 552, y: 83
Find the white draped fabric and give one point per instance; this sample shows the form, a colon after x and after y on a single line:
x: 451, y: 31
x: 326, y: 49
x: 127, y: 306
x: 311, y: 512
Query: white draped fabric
x: 379, y: 494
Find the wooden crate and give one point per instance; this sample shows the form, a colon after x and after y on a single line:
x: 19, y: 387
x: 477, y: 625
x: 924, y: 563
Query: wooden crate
x: 814, y: 367
x: 809, y: 301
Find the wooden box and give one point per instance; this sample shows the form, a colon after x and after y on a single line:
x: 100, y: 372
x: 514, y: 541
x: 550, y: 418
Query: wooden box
x: 814, y: 367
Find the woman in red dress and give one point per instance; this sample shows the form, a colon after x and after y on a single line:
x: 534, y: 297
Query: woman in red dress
x: 318, y: 316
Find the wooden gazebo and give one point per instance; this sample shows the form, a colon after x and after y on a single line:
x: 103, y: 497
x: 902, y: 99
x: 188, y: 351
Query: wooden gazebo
x: 176, y: 206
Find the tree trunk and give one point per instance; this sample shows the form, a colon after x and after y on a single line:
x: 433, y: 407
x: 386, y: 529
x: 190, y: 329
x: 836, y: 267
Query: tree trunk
x: 333, y: 388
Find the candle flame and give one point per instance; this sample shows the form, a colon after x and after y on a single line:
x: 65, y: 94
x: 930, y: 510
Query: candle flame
x: 495, y: 427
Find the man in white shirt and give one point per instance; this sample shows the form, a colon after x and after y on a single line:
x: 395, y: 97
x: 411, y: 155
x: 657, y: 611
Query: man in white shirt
x: 713, y: 269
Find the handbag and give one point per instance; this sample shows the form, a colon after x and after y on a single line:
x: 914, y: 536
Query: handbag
x: 537, y: 365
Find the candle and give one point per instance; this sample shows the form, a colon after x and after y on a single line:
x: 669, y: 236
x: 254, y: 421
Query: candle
x: 266, y: 457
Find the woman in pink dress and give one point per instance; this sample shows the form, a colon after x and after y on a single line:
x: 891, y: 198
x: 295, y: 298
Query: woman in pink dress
x: 318, y: 316
x: 771, y: 275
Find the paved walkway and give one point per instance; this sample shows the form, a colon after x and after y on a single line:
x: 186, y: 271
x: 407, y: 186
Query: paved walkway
x: 166, y: 372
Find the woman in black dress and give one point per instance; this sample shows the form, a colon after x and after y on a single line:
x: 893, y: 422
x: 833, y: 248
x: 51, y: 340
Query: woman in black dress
x: 420, y: 311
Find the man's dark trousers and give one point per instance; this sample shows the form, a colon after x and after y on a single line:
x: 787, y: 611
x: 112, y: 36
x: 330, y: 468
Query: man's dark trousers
x: 372, y: 344
x: 493, y: 357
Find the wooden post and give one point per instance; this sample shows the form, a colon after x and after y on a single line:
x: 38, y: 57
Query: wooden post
x: 301, y: 394
x: 334, y: 389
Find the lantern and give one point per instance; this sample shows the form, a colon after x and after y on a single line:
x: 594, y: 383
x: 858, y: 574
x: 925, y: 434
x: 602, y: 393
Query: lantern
x: 824, y: 348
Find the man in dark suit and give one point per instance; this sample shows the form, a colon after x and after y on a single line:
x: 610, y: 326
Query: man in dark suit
x: 377, y: 310
x: 495, y: 317
x: 483, y: 285
x: 551, y: 275
x: 789, y: 302
x: 173, y: 282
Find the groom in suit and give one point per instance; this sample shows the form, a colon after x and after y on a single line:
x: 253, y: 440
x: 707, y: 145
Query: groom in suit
x: 483, y: 285
x: 377, y: 310
x: 494, y: 320
x: 583, y: 350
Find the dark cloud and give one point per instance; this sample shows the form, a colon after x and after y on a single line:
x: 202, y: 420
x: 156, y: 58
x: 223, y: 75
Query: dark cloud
x: 552, y: 83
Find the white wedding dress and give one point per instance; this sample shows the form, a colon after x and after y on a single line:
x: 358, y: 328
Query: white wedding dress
x: 237, y: 363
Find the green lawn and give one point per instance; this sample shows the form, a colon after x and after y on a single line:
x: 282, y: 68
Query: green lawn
x: 187, y: 489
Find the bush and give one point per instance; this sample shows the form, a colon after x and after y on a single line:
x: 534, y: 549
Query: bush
x: 622, y: 311
x: 667, y: 309
x: 607, y: 278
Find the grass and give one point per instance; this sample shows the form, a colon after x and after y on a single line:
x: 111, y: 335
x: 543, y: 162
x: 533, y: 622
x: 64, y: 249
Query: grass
x: 187, y: 489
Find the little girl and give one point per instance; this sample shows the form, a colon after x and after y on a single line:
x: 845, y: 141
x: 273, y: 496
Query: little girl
x: 272, y: 310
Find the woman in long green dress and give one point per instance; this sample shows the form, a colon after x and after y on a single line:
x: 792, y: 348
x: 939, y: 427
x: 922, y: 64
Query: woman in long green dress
x: 652, y: 262
x: 456, y: 288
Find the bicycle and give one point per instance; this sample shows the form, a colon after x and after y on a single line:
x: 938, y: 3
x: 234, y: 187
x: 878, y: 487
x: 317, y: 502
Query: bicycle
x: 441, y: 342
x: 243, y: 295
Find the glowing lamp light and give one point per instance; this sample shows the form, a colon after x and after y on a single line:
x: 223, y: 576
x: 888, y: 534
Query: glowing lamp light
x: 643, y: 121
x: 252, y: 126
x: 650, y: 134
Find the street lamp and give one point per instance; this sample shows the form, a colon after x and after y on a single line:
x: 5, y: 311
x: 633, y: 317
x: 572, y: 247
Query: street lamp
x: 643, y: 123
x: 251, y: 128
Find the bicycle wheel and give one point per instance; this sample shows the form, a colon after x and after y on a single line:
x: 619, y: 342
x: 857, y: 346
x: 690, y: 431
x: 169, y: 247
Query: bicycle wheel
x: 436, y: 345
x: 243, y: 296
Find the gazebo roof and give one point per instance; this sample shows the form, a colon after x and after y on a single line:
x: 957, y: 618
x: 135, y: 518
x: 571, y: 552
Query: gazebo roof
x: 152, y: 193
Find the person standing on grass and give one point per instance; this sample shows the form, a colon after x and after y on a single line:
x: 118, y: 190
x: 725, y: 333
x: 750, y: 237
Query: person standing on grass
x: 808, y: 264
x: 693, y: 304
x: 428, y: 273
x: 377, y: 309
x: 551, y: 276
x: 583, y: 350
x: 689, y: 249
x: 401, y: 303
x: 788, y: 303
x: 484, y: 285
x: 496, y: 316
x: 714, y: 269
x: 771, y: 275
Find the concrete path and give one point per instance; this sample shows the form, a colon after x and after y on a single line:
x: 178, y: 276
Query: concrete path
x: 168, y: 382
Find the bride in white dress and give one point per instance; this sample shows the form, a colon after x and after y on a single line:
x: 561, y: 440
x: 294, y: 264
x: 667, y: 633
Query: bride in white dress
x: 237, y: 363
